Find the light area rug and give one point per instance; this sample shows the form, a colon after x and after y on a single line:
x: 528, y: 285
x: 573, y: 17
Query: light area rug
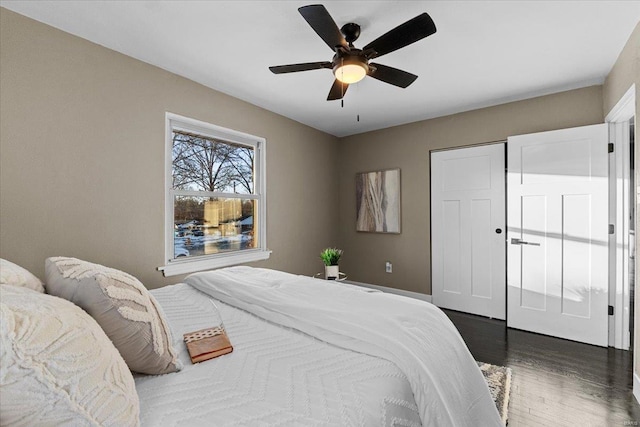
x: 498, y: 379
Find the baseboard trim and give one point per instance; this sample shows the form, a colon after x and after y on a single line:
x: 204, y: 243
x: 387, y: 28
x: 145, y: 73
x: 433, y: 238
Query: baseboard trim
x: 410, y: 294
x: 636, y: 387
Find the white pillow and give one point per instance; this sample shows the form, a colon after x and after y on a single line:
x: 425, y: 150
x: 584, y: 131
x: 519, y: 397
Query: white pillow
x: 57, y: 366
x: 122, y: 306
x: 13, y: 274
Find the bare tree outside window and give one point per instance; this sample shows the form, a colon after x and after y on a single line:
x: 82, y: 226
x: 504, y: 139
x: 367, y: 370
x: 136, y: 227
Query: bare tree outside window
x: 242, y: 162
x: 204, y: 164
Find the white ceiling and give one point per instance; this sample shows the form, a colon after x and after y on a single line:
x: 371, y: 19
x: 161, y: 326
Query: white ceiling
x: 484, y: 52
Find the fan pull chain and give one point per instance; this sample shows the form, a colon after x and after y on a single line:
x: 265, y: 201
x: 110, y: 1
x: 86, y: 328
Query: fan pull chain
x: 358, y: 115
x: 342, y: 84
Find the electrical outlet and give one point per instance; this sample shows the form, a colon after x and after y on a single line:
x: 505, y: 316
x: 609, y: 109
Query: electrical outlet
x: 388, y: 267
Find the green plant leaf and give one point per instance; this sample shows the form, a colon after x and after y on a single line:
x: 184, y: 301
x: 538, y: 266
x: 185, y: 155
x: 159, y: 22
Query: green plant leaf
x: 331, y: 256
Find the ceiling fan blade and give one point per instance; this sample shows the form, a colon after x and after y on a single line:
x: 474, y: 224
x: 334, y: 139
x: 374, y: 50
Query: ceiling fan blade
x: 392, y: 75
x: 403, y: 35
x: 294, y: 68
x: 337, y: 90
x: 323, y: 24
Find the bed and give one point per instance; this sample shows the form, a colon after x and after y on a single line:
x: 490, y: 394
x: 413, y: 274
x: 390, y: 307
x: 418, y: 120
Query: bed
x: 275, y: 376
x: 307, y: 352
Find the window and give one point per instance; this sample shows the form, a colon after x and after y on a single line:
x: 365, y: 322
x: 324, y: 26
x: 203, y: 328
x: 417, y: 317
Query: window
x: 215, y: 197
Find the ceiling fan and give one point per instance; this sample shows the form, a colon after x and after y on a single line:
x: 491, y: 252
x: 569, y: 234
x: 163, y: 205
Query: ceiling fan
x: 349, y: 64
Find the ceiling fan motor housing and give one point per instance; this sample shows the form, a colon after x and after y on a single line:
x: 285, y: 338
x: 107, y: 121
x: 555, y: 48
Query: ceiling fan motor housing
x: 351, y: 32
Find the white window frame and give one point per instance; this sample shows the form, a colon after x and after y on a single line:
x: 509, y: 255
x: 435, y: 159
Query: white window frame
x: 174, y: 266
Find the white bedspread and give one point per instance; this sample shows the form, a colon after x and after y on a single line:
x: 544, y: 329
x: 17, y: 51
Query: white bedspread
x: 448, y: 387
x: 275, y: 376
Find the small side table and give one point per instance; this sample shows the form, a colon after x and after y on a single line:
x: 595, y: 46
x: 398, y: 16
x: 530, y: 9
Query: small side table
x: 341, y: 278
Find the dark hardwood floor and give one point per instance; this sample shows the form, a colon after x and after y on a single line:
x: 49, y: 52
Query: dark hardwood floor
x: 555, y: 382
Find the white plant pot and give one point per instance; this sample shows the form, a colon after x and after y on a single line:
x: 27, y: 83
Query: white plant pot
x: 331, y: 272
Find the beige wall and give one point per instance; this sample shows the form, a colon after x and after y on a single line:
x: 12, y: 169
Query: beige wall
x: 407, y: 147
x: 625, y: 72
x: 82, y: 157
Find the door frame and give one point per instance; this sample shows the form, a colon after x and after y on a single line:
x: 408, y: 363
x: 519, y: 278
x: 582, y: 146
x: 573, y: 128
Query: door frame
x: 619, y: 244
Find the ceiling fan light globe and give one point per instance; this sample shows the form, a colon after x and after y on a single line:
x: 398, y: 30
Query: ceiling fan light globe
x: 350, y: 73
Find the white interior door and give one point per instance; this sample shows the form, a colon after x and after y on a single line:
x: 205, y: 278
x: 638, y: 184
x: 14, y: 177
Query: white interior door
x: 468, y: 230
x: 557, y: 211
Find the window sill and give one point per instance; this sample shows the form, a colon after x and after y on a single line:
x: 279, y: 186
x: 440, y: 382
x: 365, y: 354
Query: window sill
x: 175, y: 268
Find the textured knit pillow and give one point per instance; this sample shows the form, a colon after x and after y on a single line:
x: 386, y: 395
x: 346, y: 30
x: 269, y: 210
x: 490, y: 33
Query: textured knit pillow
x: 57, y: 366
x: 124, y: 308
x: 12, y: 274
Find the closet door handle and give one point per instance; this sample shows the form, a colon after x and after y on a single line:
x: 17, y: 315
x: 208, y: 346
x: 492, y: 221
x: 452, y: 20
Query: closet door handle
x: 522, y: 242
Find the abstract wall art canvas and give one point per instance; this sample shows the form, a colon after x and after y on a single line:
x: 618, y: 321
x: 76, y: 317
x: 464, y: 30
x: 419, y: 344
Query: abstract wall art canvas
x: 378, y: 201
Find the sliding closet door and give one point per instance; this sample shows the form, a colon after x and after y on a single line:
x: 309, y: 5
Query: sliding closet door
x: 468, y: 230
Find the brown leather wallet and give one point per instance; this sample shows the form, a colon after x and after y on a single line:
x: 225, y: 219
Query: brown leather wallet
x: 207, y: 343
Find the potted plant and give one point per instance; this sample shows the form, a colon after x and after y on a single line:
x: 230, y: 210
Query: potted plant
x: 330, y: 258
